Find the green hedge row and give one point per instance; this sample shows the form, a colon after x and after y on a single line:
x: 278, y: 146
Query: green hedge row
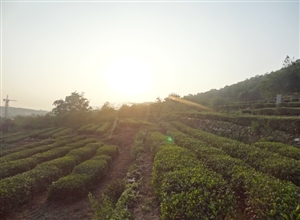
x: 103, y: 128
x: 277, y: 111
x: 290, y: 125
x: 26, y: 146
x: 83, y: 128
x: 132, y: 123
x: 235, y: 107
x: 35, y: 134
x: 20, y: 188
x: 16, y: 139
x: 5, y: 136
x: 127, y: 122
x: 83, y: 178
x: 258, y: 194
x: 282, y: 149
x: 38, y: 149
x: 92, y: 129
x: 50, y: 133
x: 18, y: 166
x: 109, y: 150
x: 262, y: 160
x: 64, y: 132
x: 289, y: 104
x: 156, y: 139
x: 187, y: 189
x: 12, y: 138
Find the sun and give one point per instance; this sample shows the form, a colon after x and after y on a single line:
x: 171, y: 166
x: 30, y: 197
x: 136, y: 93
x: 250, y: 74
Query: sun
x: 128, y: 76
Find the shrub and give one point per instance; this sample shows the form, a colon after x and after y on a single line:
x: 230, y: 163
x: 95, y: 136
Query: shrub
x: 69, y: 188
x: 259, y: 196
x: 14, y: 167
x: 66, y: 131
x: 196, y: 193
x: 282, y: 149
x: 103, y: 129
x: 262, y: 160
x: 82, y: 129
x: 83, y: 179
x: 50, y: 133
x: 107, y: 158
x: 110, y: 150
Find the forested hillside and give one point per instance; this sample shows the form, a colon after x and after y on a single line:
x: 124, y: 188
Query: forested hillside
x: 285, y: 81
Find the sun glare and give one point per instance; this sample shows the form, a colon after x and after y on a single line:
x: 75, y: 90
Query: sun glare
x: 128, y: 76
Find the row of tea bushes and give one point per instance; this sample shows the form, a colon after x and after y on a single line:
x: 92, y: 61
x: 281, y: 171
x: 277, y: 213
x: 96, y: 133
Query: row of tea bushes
x: 36, y: 148
x: 83, y: 178
x: 83, y: 128
x: 290, y: 125
x: 26, y: 146
x: 280, y: 148
x: 95, y: 128
x: 50, y: 133
x: 243, y: 106
x: 21, y: 188
x: 64, y: 132
x: 12, y: 138
x: 134, y: 123
x: 262, y: 160
x: 189, y: 190
x: 103, y: 128
x: 44, y: 154
x: 257, y: 193
x: 276, y: 111
x: 5, y: 136
x: 16, y: 138
x: 155, y: 139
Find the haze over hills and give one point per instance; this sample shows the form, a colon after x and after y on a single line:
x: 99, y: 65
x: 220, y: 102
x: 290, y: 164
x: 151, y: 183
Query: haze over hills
x: 14, y: 111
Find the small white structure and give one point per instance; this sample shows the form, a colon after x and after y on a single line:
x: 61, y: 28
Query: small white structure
x: 278, y: 99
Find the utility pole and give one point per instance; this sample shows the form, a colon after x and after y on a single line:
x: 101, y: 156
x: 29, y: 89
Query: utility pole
x: 6, y: 106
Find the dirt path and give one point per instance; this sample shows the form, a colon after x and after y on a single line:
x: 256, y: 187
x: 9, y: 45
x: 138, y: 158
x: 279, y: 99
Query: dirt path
x: 39, y: 208
x: 147, y: 206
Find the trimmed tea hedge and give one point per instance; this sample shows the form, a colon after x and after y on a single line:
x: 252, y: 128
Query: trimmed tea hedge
x: 262, y: 160
x: 20, y: 188
x: 38, y: 149
x: 282, y: 149
x: 66, y: 131
x: 110, y: 150
x: 50, y: 133
x: 26, y: 146
x: 103, y: 129
x: 257, y: 193
x: 82, y: 129
x: 290, y: 125
x: 83, y: 178
x: 187, y: 189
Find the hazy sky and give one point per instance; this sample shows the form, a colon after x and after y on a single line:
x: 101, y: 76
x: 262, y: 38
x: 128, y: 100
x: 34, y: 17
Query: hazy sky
x: 136, y: 51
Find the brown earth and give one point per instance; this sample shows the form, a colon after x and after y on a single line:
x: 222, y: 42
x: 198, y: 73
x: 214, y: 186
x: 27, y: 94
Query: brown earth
x: 146, y: 206
x: 40, y: 208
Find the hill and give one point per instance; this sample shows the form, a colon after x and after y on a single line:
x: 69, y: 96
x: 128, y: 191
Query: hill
x: 285, y: 81
x: 13, y: 111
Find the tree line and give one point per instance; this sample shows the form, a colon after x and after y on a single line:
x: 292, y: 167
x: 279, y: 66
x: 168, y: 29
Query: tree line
x: 285, y: 81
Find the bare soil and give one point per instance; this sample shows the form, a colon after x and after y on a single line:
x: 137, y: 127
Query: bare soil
x: 146, y: 206
x: 39, y: 208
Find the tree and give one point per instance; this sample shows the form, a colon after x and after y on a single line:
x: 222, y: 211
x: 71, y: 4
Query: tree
x: 73, y: 111
x: 217, y: 101
x: 288, y: 62
x: 106, y: 113
x: 73, y: 103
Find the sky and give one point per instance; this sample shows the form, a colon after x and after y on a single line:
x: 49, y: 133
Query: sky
x: 132, y: 52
